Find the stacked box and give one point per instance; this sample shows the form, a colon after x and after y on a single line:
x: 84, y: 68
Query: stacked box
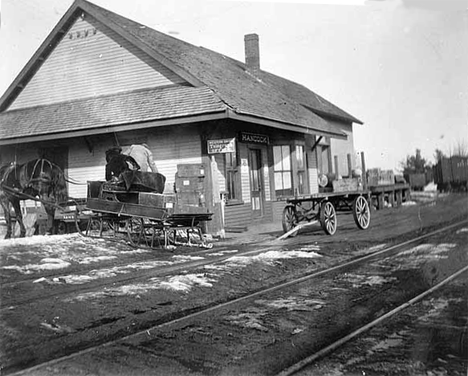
x: 191, y: 170
x: 373, y: 176
x: 386, y: 177
x: 345, y: 185
x: 189, y: 184
x: 157, y: 200
x: 376, y: 176
x: 190, y: 187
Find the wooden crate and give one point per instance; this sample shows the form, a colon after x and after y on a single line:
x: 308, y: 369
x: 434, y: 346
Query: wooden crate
x: 345, y: 185
x: 191, y: 170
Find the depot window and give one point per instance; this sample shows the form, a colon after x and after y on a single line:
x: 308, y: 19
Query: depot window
x: 282, y: 170
x: 232, y: 177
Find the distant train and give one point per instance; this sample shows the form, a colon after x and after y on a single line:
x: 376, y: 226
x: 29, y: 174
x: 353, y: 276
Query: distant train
x: 451, y: 174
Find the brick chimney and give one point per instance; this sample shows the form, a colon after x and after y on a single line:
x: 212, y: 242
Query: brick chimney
x: 252, y: 53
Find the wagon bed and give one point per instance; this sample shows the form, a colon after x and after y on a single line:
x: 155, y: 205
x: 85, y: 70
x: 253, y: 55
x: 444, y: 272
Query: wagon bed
x: 142, y: 217
x: 322, y: 208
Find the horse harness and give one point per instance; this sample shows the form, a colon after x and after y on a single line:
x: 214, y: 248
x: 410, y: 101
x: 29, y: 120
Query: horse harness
x: 38, y: 170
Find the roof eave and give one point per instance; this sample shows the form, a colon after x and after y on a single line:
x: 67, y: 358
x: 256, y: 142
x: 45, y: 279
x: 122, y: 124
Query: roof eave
x: 274, y: 123
x: 115, y: 128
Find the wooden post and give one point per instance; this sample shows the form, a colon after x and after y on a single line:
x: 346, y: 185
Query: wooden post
x: 380, y: 201
x: 350, y: 166
x: 364, y: 174
x: 391, y: 198
x: 336, y: 165
x: 399, y: 197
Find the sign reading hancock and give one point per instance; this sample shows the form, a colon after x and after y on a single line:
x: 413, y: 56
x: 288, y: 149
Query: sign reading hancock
x: 226, y: 145
x: 254, y: 138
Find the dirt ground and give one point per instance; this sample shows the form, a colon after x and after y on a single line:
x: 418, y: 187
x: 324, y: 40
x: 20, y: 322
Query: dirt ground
x: 76, y: 293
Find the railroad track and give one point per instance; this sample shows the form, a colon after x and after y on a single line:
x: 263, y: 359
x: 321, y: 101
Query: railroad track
x: 189, y: 315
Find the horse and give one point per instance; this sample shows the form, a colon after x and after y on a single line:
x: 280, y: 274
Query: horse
x: 117, y: 163
x: 124, y: 169
x: 38, y: 179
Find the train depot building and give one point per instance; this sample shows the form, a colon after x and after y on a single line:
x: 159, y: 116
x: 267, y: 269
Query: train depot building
x: 100, y: 80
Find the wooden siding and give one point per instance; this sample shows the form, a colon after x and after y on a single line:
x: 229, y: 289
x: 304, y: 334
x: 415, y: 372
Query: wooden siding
x: 92, y: 60
x: 169, y: 148
x: 341, y: 149
x: 84, y: 166
x: 241, y: 215
x: 244, y: 172
x: 277, y: 212
x: 221, y: 171
x: 313, y: 171
x: 237, y: 215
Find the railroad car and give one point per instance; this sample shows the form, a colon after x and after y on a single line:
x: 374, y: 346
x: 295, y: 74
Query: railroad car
x: 451, y: 174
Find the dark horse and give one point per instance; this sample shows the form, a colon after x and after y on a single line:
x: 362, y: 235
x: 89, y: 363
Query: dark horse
x: 38, y: 179
x: 124, y: 169
x: 118, y: 163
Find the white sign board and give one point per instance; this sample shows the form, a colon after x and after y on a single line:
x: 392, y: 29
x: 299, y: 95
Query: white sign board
x: 226, y: 145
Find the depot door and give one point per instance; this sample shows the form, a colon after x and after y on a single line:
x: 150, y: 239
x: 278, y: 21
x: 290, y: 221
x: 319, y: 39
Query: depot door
x: 256, y: 182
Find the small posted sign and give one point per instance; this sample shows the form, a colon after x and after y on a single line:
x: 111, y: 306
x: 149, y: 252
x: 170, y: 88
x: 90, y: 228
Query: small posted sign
x: 225, y: 145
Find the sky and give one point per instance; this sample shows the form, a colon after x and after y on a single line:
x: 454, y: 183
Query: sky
x: 400, y: 66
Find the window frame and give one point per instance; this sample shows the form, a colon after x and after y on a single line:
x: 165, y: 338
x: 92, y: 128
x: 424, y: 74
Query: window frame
x: 232, y: 175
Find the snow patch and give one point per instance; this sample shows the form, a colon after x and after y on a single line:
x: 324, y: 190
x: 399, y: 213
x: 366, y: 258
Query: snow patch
x: 270, y: 257
x: 185, y: 282
x: 91, y: 259
x: 429, y: 250
x: 222, y: 253
x: 183, y: 258
x: 179, y: 283
x: 45, y: 264
x: 293, y: 304
x: 358, y: 280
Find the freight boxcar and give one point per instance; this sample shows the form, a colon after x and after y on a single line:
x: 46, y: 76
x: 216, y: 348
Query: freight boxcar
x: 451, y: 174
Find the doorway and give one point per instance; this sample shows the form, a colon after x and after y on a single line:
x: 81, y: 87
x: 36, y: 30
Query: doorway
x: 256, y: 183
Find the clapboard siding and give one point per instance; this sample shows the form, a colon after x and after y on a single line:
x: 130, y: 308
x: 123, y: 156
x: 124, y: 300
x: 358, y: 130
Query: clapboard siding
x: 313, y: 172
x: 277, y: 211
x: 220, y: 175
x: 96, y: 64
x: 341, y: 148
x: 237, y: 215
x: 169, y: 148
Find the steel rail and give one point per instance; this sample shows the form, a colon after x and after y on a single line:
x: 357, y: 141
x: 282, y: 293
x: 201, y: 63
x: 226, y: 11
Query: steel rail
x: 203, y: 311
x: 330, y: 348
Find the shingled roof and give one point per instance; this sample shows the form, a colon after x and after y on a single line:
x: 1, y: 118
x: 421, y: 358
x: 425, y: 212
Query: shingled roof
x: 221, y: 85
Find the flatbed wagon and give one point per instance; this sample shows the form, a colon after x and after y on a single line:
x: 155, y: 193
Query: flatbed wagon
x: 142, y: 218
x: 323, y: 207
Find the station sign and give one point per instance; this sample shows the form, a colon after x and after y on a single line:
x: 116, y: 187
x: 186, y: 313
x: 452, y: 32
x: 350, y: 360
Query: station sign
x: 254, y: 138
x: 225, y: 145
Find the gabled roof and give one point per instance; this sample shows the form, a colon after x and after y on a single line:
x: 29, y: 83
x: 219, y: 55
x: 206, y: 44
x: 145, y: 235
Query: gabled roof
x: 94, y: 114
x: 224, y: 84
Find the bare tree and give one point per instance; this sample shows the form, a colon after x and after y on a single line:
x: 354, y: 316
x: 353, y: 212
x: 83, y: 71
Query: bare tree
x: 460, y: 149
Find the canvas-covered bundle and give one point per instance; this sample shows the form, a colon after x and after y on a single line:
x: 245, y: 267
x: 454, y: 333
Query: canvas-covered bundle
x: 143, y: 181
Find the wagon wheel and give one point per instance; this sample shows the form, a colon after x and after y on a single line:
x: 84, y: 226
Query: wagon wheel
x: 328, y: 217
x: 361, y: 212
x: 135, y: 230
x: 93, y: 227
x: 61, y: 228
x: 289, y: 219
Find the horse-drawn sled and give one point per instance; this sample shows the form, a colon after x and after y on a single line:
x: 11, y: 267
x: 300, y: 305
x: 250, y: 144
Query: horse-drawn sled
x: 135, y: 209
x: 130, y: 206
x: 344, y: 195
